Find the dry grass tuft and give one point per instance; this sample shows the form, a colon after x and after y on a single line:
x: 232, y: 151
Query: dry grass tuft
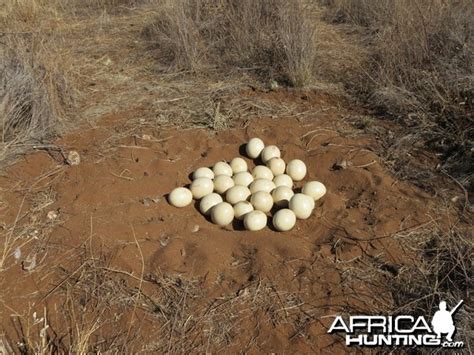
x: 35, y: 93
x: 276, y: 38
x: 420, y: 69
x: 438, y: 267
x: 98, y: 303
x: 194, y: 322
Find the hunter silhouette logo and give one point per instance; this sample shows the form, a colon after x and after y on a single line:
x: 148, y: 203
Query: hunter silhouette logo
x: 401, y: 330
x: 443, y: 321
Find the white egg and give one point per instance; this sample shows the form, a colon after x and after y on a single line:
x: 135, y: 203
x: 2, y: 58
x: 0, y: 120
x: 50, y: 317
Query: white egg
x: 282, y: 196
x: 222, y: 183
x: 238, y: 165
x: 283, y: 180
x: 201, y: 187
x: 237, y: 194
x: 180, y: 197
x: 262, y: 185
x: 243, y: 178
x: 222, y: 168
x: 262, y: 172
x: 302, y: 205
x: 277, y: 166
x: 315, y: 189
x: 254, y: 147
x: 241, y: 209
x: 296, y: 169
x: 255, y: 221
x: 262, y: 201
x: 270, y: 152
x: 284, y: 220
x: 203, y: 172
x: 222, y: 214
x: 208, y: 202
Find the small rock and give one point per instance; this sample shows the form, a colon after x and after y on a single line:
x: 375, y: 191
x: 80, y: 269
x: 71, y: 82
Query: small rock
x: 17, y: 253
x: 164, y: 241
x: 273, y: 85
x: 344, y: 164
x: 52, y: 215
x: 73, y: 158
x: 146, y: 202
x: 195, y: 228
x: 29, y: 264
x: 244, y: 292
x: 147, y: 137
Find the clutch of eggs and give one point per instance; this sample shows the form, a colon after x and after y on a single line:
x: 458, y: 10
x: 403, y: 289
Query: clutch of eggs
x: 230, y: 190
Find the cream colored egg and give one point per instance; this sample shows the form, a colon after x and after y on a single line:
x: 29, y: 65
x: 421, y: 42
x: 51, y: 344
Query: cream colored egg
x: 222, y: 214
x: 315, y: 189
x: 262, y: 172
x: 302, y: 205
x: 237, y: 194
x: 270, y: 152
x: 241, y: 209
x: 262, y: 201
x: 238, y: 165
x: 283, y: 180
x: 262, y: 185
x: 296, y: 169
x: 243, y: 178
x: 222, y: 183
x: 180, y: 197
x: 201, y: 187
x: 282, y: 196
x: 277, y: 166
x: 222, y: 168
x: 255, y: 221
x: 254, y: 147
x: 203, y: 172
x: 208, y: 202
x: 284, y: 220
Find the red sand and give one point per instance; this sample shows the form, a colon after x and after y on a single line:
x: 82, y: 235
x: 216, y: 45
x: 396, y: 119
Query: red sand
x: 104, y: 212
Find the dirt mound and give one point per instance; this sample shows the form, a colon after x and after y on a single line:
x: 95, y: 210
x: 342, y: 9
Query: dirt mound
x: 112, y: 210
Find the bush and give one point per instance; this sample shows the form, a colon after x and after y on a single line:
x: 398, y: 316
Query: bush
x: 34, y: 91
x: 275, y: 37
x: 420, y: 68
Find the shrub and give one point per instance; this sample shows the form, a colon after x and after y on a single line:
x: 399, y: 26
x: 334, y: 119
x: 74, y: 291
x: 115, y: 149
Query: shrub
x: 420, y: 68
x: 34, y: 91
x: 273, y: 36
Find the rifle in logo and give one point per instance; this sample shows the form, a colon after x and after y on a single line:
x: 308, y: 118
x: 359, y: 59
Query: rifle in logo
x: 442, y: 321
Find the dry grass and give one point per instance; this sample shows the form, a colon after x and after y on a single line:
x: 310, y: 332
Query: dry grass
x: 30, y: 225
x: 437, y: 266
x: 276, y: 38
x: 35, y: 93
x: 194, y: 322
x: 101, y: 308
x: 419, y: 70
x: 416, y: 64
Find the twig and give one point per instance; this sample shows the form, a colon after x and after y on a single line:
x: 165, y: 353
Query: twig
x: 122, y: 177
x: 62, y: 282
x: 466, y: 195
x: 140, y: 284
x: 123, y: 273
x: 365, y: 165
x: 132, y: 146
